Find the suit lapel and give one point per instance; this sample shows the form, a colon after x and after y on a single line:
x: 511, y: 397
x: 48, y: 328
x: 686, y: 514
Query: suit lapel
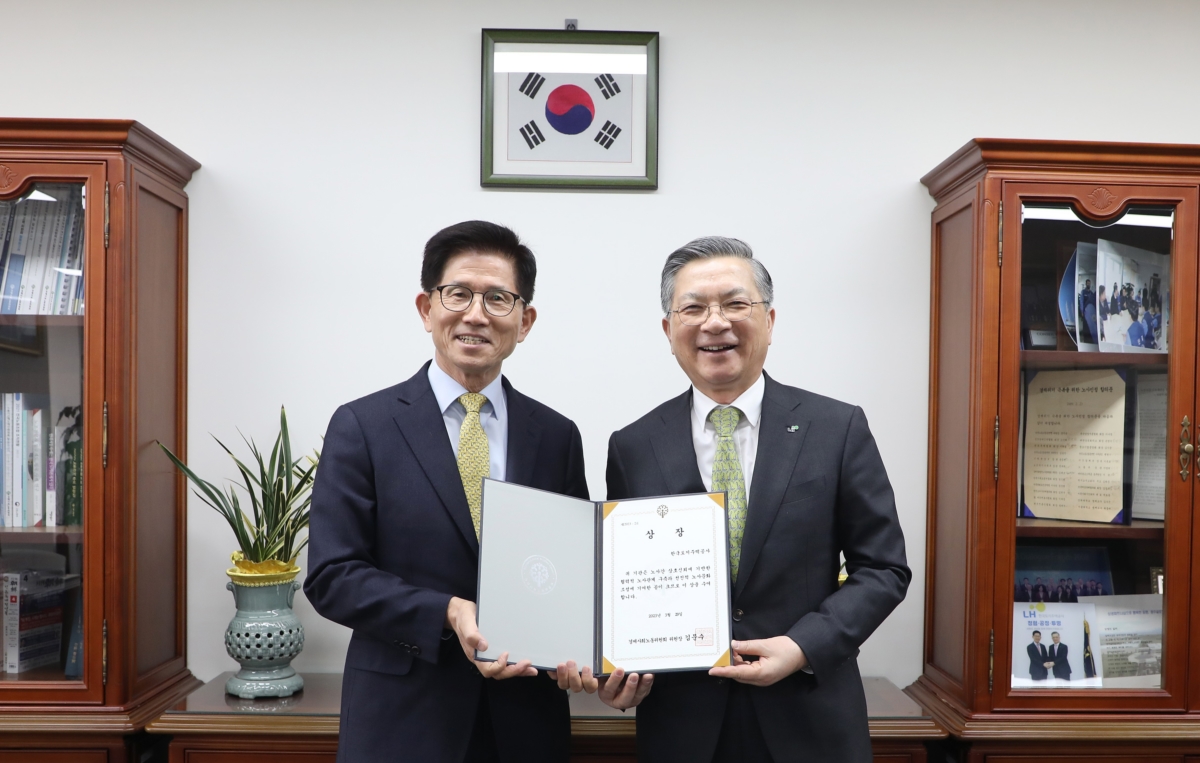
x: 673, y: 448
x: 524, y: 436
x: 422, y: 426
x: 778, y: 450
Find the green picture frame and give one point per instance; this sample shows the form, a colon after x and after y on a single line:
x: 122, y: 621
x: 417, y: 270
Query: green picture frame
x: 499, y: 169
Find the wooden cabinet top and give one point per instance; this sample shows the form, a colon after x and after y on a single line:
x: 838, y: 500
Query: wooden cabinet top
x: 1014, y: 154
x: 97, y: 134
x: 314, y: 711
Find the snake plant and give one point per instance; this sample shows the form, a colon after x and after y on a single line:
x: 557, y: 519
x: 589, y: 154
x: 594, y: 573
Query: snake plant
x: 280, y: 490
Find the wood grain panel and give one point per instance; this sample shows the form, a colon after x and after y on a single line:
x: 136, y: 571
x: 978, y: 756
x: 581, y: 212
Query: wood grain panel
x: 54, y: 756
x: 233, y: 756
x: 1142, y: 758
x: 156, y: 267
x: 953, y: 239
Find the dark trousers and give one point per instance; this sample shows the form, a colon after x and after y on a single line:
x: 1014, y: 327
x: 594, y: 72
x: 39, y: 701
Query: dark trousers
x: 741, y: 739
x: 482, y: 748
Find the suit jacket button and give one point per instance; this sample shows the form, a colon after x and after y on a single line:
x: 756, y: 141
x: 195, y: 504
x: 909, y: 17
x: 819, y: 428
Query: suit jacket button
x: 416, y: 649
x: 737, y: 615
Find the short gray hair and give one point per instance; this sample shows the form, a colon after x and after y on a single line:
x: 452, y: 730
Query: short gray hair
x: 709, y: 247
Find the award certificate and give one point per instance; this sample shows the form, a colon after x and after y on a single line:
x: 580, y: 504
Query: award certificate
x: 640, y: 584
x: 1075, y: 446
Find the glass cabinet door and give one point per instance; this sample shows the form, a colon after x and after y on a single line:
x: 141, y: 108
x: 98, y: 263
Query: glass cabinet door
x: 1096, y: 363
x: 43, y: 240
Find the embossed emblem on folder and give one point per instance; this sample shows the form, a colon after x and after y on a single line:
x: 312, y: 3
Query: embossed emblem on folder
x: 539, y: 574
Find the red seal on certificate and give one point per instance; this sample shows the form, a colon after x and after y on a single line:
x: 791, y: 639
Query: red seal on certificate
x: 703, y: 637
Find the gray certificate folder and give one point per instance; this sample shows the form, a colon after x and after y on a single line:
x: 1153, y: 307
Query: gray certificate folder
x: 640, y: 584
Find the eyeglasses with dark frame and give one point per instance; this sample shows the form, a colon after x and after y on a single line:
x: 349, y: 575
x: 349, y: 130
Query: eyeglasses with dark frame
x: 733, y: 311
x: 457, y: 298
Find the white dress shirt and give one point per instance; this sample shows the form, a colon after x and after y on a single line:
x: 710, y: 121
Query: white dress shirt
x: 745, y: 434
x: 493, y: 416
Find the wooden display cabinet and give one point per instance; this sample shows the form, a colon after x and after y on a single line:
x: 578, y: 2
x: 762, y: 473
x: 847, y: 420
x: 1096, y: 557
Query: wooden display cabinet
x: 94, y: 334
x: 1020, y: 227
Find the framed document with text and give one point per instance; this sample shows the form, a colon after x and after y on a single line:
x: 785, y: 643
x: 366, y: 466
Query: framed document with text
x: 641, y: 584
x: 569, y: 109
x: 1076, y: 436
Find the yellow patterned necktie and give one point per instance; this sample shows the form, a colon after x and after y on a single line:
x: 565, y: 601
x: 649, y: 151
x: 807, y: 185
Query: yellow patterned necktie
x: 727, y: 476
x: 474, y: 462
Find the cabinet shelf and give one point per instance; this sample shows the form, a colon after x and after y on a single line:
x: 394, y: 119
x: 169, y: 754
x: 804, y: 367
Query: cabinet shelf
x: 41, y: 320
x: 68, y: 533
x: 1139, y: 529
x: 53, y: 673
x: 1039, y: 359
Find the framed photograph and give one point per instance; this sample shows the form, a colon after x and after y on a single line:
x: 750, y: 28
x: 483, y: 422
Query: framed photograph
x: 1061, y: 574
x: 22, y: 338
x: 1053, y: 646
x: 569, y: 109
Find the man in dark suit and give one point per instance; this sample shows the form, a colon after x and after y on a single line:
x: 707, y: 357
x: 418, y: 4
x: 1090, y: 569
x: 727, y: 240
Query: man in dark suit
x: 1086, y: 296
x: 1102, y: 304
x: 816, y: 489
x: 1024, y: 592
x: 395, y: 522
x: 1058, y: 655
x: 1039, y: 658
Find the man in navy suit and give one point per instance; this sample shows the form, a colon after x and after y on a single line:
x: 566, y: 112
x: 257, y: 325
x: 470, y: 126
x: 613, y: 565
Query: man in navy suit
x: 1058, y: 655
x: 1039, y: 658
x: 1136, y: 333
x: 395, y: 520
x: 805, y: 484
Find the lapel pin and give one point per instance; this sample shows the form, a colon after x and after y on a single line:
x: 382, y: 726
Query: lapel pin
x: 794, y: 428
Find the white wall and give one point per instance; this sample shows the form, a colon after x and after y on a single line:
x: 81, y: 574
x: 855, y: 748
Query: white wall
x: 337, y: 136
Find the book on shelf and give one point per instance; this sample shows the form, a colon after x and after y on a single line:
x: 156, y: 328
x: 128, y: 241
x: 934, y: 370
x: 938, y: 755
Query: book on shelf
x: 70, y: 445
x: 28, y: 231
x: 42, y: 250
x: 10, y: 289
x: 33, y: 620
x: 74, y: 665
x: 51, y: 466
x: 5, y: 490
x: 14, y: 446
x: 35, y: 461
x: 35, y: 468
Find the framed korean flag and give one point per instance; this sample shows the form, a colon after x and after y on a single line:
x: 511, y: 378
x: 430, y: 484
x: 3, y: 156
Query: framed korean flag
x: 569, y: 109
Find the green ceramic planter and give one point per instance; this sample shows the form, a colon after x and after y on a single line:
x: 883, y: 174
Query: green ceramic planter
x: 264, y: 636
